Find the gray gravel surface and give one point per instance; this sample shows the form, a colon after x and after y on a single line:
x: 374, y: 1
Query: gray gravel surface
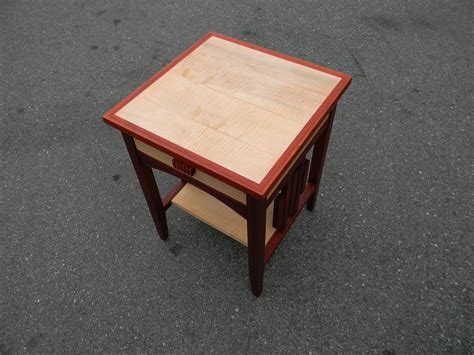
x: 384, y: 263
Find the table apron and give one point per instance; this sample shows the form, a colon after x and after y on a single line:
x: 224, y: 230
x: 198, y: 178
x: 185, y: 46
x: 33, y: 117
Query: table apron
x: 232, y: 203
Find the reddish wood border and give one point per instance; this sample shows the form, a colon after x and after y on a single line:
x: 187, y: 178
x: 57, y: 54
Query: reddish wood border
x: 242, y: 183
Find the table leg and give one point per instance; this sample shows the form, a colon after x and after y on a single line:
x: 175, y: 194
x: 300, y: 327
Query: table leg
x: 149, y: 188
x: 317, y: 160
x: 256, y: 215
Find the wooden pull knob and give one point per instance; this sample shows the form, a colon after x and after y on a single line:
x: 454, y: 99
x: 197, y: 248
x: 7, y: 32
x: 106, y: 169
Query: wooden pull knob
x: 185, y: 168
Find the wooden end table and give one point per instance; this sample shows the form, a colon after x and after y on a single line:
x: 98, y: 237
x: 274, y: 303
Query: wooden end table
x: 234, y: 122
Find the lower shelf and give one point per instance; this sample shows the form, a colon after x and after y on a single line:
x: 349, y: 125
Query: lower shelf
x: 215, y: 213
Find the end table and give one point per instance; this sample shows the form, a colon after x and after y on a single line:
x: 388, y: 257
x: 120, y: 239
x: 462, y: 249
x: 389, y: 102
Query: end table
x: 234, y: 122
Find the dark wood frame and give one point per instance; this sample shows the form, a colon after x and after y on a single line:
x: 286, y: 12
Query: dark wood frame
x: 296, y: 189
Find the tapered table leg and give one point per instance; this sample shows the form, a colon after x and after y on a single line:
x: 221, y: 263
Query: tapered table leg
x: 256, y: 211
x: 317, y: 160
x: 149, y: 187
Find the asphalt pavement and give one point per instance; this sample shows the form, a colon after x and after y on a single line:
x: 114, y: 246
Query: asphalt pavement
x: 383, y: 265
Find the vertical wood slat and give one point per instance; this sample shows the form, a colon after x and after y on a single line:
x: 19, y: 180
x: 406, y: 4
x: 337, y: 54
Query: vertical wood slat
x: 294, y: 192
x: 278, y: 210
x: 304, y: 176
x: 286, y: 202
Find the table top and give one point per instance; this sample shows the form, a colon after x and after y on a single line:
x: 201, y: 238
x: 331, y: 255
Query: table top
x: 235, y: 110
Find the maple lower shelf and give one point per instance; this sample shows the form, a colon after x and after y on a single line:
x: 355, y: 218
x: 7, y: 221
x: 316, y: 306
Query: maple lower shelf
x: 213, y: 212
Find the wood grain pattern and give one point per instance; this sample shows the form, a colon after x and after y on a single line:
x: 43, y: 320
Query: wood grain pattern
x: 235, y: 106
x: 213, y: 212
